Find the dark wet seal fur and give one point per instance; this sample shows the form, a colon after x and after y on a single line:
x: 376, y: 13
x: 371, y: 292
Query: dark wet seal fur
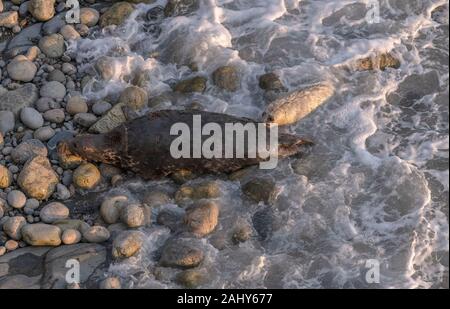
x: 143, y: 145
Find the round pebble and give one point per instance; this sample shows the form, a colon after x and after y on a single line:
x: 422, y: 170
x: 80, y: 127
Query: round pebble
x: 132, y: 215
x: 76, y: 105
x: 96, y: 234
x: 44, y: 134
x: 85, y: 119
x: 54, y: 90
x: 53, y: 212
x: 16, y: 199
x: 70, y: 237
x: 100, y: 108
x: 31, y: 118
x: 11, y: 245
x: 86, y: 176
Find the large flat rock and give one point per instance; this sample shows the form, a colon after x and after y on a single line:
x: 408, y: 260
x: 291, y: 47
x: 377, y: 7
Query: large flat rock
x: 15, y: 100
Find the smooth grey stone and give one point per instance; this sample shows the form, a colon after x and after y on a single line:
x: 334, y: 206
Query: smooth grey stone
x: 25, y: 39
x: 54, y: 25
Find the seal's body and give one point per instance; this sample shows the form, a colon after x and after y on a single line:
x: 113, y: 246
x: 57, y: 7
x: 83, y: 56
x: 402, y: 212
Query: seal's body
x: 143, y: 145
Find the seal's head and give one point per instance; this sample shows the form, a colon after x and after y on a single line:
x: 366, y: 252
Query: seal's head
x: 92, y: 147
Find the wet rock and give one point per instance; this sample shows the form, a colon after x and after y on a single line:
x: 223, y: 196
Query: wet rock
x: 76, y: 105
x: 134, y: 97
x: 414, y: 87
x: 116, y: 14
x: 271, y: 82
x: 378, y: 62
x: 105, y: 66
x: 44, y: 134
x: 53, y: 212
x: 100, y: 108
x: 89, y: 16
x: 11, y: 245
x: 180, y: 7
x: 182, y: 253
x: 132, y: 215
x: 440, y: 14
x: 27, y: 150
x: 6, y: 177
x: 62, y: 193
x: 44, y: 104
x: 56, y: 76
x: 68, y: 68
x: 113, y: 118
x: 90, y: 256
x: 9, y: 19
x: 54, y: 90
x: 31, y: 118
x: 298, y: 104
x: 19, y: 282
x: 52, y: 45
x: 27, y: 261
x: 42, y: 10
x: 96, y: 234
x: 191, y: 278
x: 21, y: 69
x: 37, y: 178
x: 55, y: 115
x: 209, y: 189
x: 15, y: 100
x: 85, y: 119
x: 265, y: 222
x: 40, y: 234
x: 261, y: 190
x: 86, y: 176
x: 227, y: 77
x: 127, y: 244
x: 71, y: 237
x: 13, y: 227
x: 16, y: 199
x: 241, y: 232
x: 24, y: 40
x: 55, y: 24
x: 69, y: 33
x: 195, y: 84
x: 202, y: 218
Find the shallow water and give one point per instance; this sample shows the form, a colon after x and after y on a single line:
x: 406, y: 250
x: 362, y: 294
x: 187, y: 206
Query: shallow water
x: 375, y: 186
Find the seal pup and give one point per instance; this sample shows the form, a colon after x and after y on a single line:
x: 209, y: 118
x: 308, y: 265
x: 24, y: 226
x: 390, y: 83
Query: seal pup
x: 143, y: 145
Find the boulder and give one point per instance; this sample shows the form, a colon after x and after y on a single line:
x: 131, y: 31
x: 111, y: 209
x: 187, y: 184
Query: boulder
x: 37, y: 178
